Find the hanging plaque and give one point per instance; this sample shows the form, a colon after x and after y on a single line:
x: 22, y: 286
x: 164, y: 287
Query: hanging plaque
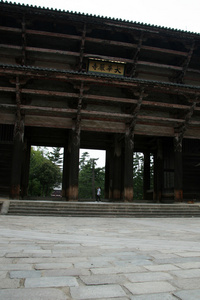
x: 106, y: 67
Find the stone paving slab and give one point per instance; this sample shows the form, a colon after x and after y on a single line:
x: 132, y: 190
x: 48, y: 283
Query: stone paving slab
x: 149, y: 276
x: 165, y: 267
x: 8, y: 267
x: 97, y: 292
x: 149, y: 287
x: 103, y: 279
x: 65, y: 272
x: 188, y: 295
x: 99, y: 258
x: 118, y: 270
x: 3, y: 274
x: 162, y: 296
x: 187, y: 284
x: 33, y: 294
x: 192, y: 273
x: 50, y: 282
x: 189, y: 265
x: 7, y: 283
x: 25, y: 274
x: 51, y: 266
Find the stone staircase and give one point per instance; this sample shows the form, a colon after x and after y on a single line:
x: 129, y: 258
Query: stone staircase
x: 102, y: 209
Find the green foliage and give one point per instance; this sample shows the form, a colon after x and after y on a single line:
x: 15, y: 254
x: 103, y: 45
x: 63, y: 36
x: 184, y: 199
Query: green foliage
x: 44, y: 175
x: 138, y: 170
x: 56, y: 156
x: 90, y: 177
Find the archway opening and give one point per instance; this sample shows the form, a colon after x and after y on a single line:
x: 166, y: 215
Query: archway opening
x: 45, y: 172
x: 91, y: 173
x: 143, y: 176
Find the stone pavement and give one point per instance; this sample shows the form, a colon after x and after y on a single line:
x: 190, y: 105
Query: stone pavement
x: 58, y: 258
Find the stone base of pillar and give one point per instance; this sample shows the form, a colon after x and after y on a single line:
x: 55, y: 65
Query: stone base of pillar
x: 178, y: 195
x: 73, y: 193
x: 15, y: 192
x: 128, y: 194
x: 116, y: 194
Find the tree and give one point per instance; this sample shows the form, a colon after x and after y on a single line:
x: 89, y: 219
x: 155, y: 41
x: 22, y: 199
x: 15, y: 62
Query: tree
x: 138, y: 169
x: 90, y: 177
x: 55, y: 156
x: 44, y: 175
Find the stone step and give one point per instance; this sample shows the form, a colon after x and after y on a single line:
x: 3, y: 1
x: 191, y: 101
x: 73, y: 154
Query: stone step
x: 100, y: 205
x: 79, y: 209
x: 93, y: 209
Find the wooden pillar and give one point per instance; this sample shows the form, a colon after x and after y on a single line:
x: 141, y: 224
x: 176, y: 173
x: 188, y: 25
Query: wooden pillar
x: 25, y: 169
x: 18, y: 140
x: 107, y: 173
x: 146, y: 175
x: 66, y: 168
x: 158, y: 178
x: 74, y: 145
x: 117, y: 171
x: 128, y: 170
x: 15, y: 189
x: 178, y: 170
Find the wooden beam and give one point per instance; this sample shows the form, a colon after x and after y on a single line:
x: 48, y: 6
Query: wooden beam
x: 49, y: 93
x: 95, y: 40
x: 52, y: 51
x: 97, y: 97
x: 90, y: 79
x: 53, y: 34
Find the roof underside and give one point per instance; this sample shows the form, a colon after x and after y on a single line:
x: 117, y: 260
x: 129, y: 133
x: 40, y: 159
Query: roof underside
x: 45, y: 77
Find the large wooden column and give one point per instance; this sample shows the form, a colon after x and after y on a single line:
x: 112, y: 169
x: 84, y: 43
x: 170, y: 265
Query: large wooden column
x: 107, y: 174
x: 66, y: 168
x: 25, y: 169
x: 128, y: 169
x: 74, y: 145
x: 158, y: 171
x: 117, y: 170
x: 128, y: 154
x: 178, y: 169
x: 18, y: 140
x: 146, y: 176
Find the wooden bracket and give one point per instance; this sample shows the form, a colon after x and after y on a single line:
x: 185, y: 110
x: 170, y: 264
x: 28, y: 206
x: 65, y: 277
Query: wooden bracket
x: 82, y: 48
x: 180, y: 131
x: 136, y: 56
x: 180, y: 77
x: 131, y: 127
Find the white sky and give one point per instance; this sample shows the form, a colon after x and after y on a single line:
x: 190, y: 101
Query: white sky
x: 96, y: 154
x: 177, y: 14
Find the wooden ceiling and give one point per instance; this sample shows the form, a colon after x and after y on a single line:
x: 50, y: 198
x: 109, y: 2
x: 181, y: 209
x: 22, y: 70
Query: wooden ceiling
x: 44, y: 57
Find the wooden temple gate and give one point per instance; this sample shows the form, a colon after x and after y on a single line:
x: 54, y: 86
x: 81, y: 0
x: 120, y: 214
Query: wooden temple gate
x: 73, y: 80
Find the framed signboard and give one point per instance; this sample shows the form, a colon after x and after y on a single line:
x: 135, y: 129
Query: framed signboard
x: 106, y: 67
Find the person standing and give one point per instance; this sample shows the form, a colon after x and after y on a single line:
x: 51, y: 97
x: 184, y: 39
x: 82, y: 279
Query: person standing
x: 98, y: 194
